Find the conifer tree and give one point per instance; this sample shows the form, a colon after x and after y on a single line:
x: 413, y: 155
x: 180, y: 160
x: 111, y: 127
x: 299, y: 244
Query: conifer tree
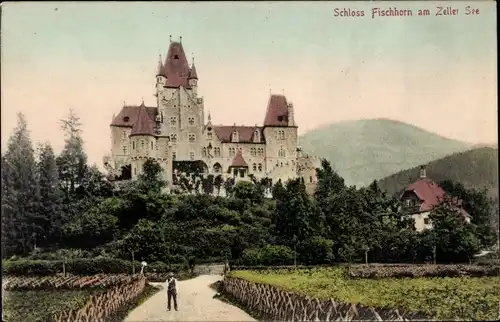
x: 19, y: 192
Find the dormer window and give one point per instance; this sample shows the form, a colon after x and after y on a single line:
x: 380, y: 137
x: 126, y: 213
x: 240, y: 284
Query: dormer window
x: 280, y: 118
x: 126, y: 119
x: 256, y: 136
x: 235, y: 137
x: 176, y: 56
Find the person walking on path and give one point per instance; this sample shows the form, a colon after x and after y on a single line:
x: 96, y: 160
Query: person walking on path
x: 172, y: 289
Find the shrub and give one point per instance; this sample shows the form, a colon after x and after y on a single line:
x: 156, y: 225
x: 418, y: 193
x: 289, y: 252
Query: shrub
x: 400, y: 271
x: 268, y: 255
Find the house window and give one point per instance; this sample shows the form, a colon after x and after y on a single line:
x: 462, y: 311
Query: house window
x: 253, y: 152
x: 260, y: 167
x: 191, y: 155
x: 235, y: 137
x: 204, y: 152
x: 174, y: 155
x: 173, y: 121
x: 232, y: 151
x: 173, y: 138
x: 192, y: 137
x: 254, y: 167
x: 217, y: 152
x: 191, y: 121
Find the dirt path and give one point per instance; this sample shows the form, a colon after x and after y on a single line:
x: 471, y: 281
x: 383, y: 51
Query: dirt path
x: 196, y: 303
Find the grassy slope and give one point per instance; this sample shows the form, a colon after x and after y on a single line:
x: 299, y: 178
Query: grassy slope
x: 476, y: 168
x: 365, y: 150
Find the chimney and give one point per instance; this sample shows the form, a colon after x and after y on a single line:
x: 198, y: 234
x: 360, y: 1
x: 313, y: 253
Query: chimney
x: 423, y: 174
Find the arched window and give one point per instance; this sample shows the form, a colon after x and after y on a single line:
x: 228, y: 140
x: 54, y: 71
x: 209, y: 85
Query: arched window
x: 191, y: 155
x: 209, y: 135
x: 217, y: 167
x: 191, y: 121
x: 133, y: 145
x: 260, y: 167
x: 217, y: 152
x: 253, y: 152
x: 142, y: 144
x: 256, y: 136
x: 204, y: 152
x: 254, y: 167
x: 232, y: 151
x: 152, y: 146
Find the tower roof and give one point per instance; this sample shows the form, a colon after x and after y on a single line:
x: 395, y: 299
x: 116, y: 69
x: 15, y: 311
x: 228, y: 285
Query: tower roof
x: 238, y: 161
x: 144, y: 125
x: 192, y: 73
x: 277, y: 111
x: 159, y: 71
x: 176, y: 67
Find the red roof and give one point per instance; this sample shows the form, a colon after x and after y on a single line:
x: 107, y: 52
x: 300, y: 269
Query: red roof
x: 192, y: 73
x: 132, y: 113
x: 277, y: 111
x: 176, y: 67
x: 245, y: 133
x: 238, y: 160
x: 144, y: 125
x: 431, y: 195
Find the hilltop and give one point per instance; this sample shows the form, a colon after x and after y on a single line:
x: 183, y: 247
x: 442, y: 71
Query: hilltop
x: 364, y: 150
x: 476, y: 168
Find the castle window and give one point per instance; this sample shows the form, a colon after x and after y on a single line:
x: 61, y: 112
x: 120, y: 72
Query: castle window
x: 133, y: 145
x: 253, y: 152
x: 260, y: 152
x: 152, y: 146
x: 311, y: 179
x: 217, y: 168
x: 209, y: 135
x: 235, y: 137
x: 191, y: 137
x: 407, y: 202
x: 281, y: 152
x: 124, y: 134
x: 124, y: 150
x: 173, y: 138
x: 174, y: 155
x: 256, y: 136
x: 176, y: 56
x: 260, y: 167
x: 254, y: 167
x: 204, y: 152
x: 135, y: 170
x: 281, y: 135
x: 126, y: 119
x: 142, y: 144
x: 217, y: 152
x: 232, y: 151
x: 191, y: 156
x: 427, y: 221
x: 191, y: 121
x: 173, y: 121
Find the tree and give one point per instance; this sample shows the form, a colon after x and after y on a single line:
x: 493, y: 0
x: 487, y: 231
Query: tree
x: 19, y: 192
x: 72, y: 162
x: 151, y: 176
x: 50, y: 197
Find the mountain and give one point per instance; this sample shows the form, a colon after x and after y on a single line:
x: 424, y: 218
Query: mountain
x: 476, y: 168
x: 364, y: 150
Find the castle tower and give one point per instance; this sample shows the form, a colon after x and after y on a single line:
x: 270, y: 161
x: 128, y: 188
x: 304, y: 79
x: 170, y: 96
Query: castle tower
x: 193, y: 79
x: 142, y: 141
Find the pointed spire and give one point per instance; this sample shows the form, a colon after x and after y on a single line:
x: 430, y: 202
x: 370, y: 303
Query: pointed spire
x: 180, y: 39
x: 209, y: 117
x: 170, y: 37
x: 159, y: 72
x: 142, y: 99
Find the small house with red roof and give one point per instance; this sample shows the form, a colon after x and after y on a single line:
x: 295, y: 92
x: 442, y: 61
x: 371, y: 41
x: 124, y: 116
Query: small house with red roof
x: 421, y: 196
x: 177, y: 130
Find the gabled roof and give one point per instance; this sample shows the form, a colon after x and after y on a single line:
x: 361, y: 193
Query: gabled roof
x: 144, y: 125
x: 238, y: 161
x: 245, y: 133
x: 277, y: 111
x: 431, y: 195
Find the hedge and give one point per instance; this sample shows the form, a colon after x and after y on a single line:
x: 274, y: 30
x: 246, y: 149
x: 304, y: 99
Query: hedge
x: 83, y: 267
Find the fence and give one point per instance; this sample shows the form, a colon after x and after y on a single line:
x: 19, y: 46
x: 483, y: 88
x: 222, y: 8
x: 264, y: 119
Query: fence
x: 278, y: 305
x: 210, y: 269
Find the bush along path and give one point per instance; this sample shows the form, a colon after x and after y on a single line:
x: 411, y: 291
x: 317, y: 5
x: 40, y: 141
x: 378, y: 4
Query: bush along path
x: 196, y: 303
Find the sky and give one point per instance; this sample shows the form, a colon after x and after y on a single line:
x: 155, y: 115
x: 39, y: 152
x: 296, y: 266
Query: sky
x: 435, y: 72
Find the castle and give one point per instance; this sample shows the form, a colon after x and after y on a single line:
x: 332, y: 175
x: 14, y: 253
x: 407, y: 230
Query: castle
x: 176, y: 131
